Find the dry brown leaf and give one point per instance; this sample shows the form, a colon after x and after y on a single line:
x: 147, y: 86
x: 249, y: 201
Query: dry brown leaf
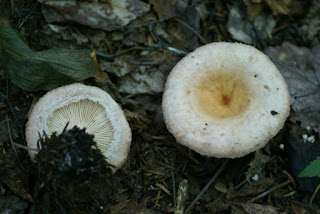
x: 221, y: 187
x: 285, y: 7
x: 164, y: 8
x: 252, y: 208
x: 254, y: 8
x: 298, y: 210
x: 137, y: 121
x: 218, y: 205
x: 279, y: 6
x: 128, y: 206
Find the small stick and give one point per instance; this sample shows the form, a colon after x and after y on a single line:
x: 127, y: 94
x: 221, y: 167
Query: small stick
x: 113, y: 27
x: 163, y: 188
x: 7, y: 99
x: 56, y: 201
x: 182, y: 196
x: 173, y: 183
x: 268, y: 191
x: 143, y: 62
x: 241, y: 184
x: 290, y: 178
x: 10, y: 137
x: 208, y: 185
x: 181, y: 52
x: 24, y: 147
x: 193, y: 30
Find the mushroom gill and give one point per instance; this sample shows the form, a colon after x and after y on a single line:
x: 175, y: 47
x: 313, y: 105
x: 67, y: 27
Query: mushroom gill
x: 84, y: 114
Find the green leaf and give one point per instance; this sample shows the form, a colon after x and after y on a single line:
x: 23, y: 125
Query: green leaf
x: 44, y: 70
x: 313, y: 170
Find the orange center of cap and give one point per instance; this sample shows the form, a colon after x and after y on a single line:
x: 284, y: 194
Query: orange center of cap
x: 223, y: 94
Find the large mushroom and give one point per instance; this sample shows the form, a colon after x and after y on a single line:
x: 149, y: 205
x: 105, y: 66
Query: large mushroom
x: 85, y: 107
x: 225, y: 100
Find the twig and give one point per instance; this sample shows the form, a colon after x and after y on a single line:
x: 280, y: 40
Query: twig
x: 172, y: 49
x: 118, y: 53
x: 298, y: 203
x: 143, y: 62
x: 25, y: 147
x: 193, y: 30
x: 256, y: 33
x: 112, y: 27
x: 258, y: 37
x: 56, y: 201
x: 241, y: 184
x: 180, y: 52
x: 207, y: 186
x: 6, y: 98
x: 173, y: 183
x: 157, y: 199
x: 163, y: 188
x: 154, y: 36
x: 10, y: 137
x: 269, y: 191
x: 290, y: 178
x: 182, y: 196
x: 21, y: 23
x: 314, y: 194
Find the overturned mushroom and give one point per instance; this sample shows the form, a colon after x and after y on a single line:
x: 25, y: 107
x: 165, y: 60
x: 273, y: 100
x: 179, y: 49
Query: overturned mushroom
x: 225, y: 100
x: 85, y: 107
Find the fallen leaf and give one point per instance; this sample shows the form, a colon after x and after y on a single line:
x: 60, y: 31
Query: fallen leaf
x: 128, y: 206
x: 118, y: 67
x: 242, y: 29
x: 151, y: 82
x: 300, y: 68
x: 310, y: 24
x: 138, y: 121
x: 252, y: 208
x: 312, y: 170
x: 168, y: 8
x: 66, y: 33
x: 285, y: 7
x: 218, y: 205
x: 12, y: 204
x: 94, y: 14
x: 12, y: 176
x: 253, y: 8
x: 219, y: 186
x: 298, y: 210
x: 44, y: 70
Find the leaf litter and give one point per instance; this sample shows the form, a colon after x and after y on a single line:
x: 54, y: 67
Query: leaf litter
x: 300, y: 67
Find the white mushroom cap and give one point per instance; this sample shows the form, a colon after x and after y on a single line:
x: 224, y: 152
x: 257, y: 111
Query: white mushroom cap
x: 86, y: 107
x: 225, y: 100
